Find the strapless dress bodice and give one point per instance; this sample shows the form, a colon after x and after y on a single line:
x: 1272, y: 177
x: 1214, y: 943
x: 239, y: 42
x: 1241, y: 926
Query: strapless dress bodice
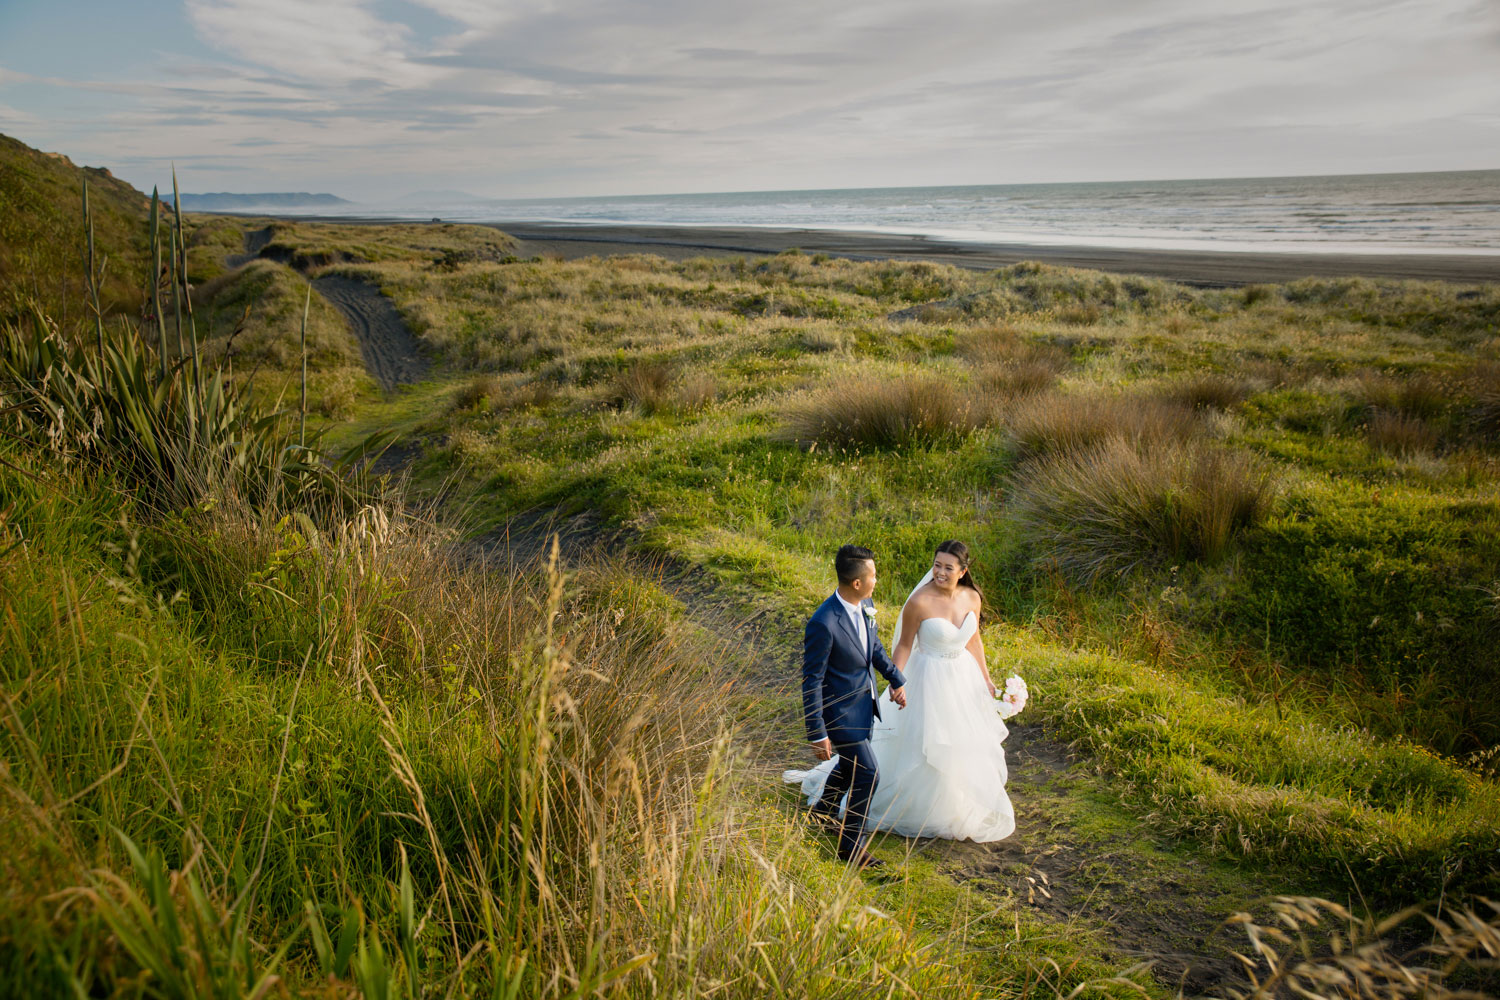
x: 941, y: 638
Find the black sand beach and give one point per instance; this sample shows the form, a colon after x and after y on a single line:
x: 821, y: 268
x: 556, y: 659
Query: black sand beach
x: 1193, y: 267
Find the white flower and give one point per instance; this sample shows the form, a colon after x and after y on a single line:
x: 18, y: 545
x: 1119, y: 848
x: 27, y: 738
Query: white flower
x: 1014, y: 699
x: 869, y: 612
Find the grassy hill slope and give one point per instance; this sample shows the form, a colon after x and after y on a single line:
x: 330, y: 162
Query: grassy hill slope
x: 41, y: 232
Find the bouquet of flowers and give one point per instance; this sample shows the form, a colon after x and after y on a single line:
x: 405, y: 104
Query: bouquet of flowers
x: 1014, y: 699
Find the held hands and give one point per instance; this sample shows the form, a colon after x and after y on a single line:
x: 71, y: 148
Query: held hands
x: 898, y: 695
x: 823, y: 749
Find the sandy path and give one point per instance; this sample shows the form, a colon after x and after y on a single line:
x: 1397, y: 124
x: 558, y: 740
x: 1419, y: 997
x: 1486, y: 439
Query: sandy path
x: 390, y: 351
x: 255, y: 242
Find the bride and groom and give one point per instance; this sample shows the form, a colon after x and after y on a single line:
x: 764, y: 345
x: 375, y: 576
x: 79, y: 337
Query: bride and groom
x: 925, y: 758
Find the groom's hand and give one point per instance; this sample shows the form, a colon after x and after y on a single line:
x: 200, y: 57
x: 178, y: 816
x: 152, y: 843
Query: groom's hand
x: 898, y: 695
x: 823, y: 749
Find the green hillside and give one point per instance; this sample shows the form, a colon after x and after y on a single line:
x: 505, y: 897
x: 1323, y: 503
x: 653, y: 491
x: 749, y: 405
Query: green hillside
x: 40, y: 229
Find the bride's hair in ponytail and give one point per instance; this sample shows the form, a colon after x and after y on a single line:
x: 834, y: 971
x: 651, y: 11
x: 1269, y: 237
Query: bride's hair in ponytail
x: 960, y: 551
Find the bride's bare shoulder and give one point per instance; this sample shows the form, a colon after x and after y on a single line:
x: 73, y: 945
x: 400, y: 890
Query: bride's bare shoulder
x: 922, y: 598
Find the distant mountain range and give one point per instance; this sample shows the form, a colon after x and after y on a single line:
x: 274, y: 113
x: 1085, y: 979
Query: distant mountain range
x: 263, y: 199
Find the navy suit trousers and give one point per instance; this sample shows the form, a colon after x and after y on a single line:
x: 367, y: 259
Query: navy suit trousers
x: 856, y: 773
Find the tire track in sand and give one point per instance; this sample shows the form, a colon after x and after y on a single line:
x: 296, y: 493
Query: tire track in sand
x: 390, y: 351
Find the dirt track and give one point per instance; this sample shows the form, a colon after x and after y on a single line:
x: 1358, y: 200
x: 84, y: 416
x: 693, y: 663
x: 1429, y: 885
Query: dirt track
x: 390, y: 351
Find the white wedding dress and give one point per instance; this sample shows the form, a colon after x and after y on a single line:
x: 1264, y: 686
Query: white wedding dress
x: 942, y: 763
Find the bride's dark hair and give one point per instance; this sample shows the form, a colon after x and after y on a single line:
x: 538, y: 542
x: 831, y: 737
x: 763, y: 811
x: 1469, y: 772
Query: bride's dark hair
x: 960, y: 551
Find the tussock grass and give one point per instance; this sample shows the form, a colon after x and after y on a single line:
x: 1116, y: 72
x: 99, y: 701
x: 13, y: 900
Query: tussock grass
x: 1210, y: 392
x: 1484, y: 380
x: 1400, y: 434
x: 1115, y: 507
x: 1006, y: 364
x: 871, y: 412
x: 1418, y: 396
x: 654, y: 386
x: 484, y: 393
x: 1058, y: 422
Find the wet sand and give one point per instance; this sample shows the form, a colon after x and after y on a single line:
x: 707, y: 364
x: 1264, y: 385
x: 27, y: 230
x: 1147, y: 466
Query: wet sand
x: 1205, y: 268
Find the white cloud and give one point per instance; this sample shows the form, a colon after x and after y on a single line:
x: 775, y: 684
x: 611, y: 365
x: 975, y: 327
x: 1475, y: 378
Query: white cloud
x: 331, y: 41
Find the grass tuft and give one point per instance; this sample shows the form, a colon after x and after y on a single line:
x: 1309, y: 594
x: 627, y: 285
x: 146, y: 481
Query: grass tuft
x: 661, y: 387
x: 1400, y: 434
x: 1209, y: 392
x: 1055, y: 422
x: 873, y: 412
x: 1115, y: 507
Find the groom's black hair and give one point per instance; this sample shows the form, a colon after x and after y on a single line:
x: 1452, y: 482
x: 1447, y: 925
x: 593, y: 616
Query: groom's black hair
x: 848, y: 564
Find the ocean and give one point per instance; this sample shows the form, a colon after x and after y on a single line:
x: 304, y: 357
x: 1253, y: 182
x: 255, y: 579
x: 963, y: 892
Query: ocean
x: 1448, y: 212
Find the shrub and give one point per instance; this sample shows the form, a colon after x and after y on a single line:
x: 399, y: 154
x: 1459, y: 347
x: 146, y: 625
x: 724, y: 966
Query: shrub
x: 175, y: 436
x: 1057, y: 423
x: 337, y: 396
x: 1209, y: 392
x: 1115, y: 507
x: 886, y: 412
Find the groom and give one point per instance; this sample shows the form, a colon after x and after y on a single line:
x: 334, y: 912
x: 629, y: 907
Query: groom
x: 839, y: 650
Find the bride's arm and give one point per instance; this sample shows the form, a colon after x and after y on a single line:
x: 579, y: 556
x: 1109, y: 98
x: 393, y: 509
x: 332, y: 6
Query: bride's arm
x: 910, y: 619
x: 976, y: 647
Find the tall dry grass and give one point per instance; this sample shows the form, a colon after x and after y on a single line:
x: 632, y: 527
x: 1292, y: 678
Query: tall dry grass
x: 1400, y: 434
x: 873, y: 412
x: 1007, y: 364
x: 424, y: 775
x: 1316, y: 949
x: 1209, y: 392
x: 1110, y: 508
x: 1484, y: 384
x: 1056, y: 423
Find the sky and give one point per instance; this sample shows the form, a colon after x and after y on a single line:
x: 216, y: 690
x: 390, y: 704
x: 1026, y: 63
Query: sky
x: 375, y: 99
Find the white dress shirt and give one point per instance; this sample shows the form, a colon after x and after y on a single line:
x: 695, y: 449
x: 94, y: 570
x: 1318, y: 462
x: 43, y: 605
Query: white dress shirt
x: 857, y: 615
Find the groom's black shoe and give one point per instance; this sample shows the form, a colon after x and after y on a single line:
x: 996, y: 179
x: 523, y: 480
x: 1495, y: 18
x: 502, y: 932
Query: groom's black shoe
x: 861, y: 859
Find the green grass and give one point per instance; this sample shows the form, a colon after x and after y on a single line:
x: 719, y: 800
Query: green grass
x: 41, y: 198
x: 491, y: 777
x: 1253, y: 636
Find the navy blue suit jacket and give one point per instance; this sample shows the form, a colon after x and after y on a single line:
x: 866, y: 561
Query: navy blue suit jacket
x: 838, y: 699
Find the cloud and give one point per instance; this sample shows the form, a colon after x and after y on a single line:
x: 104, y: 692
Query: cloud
x: 535, y: 96
x: 330, y: 41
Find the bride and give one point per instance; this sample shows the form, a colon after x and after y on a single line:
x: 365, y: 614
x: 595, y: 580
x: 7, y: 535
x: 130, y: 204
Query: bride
x: 941, y: 764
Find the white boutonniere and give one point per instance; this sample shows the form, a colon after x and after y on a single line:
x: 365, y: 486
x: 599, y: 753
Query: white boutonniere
x: 869, y: 613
